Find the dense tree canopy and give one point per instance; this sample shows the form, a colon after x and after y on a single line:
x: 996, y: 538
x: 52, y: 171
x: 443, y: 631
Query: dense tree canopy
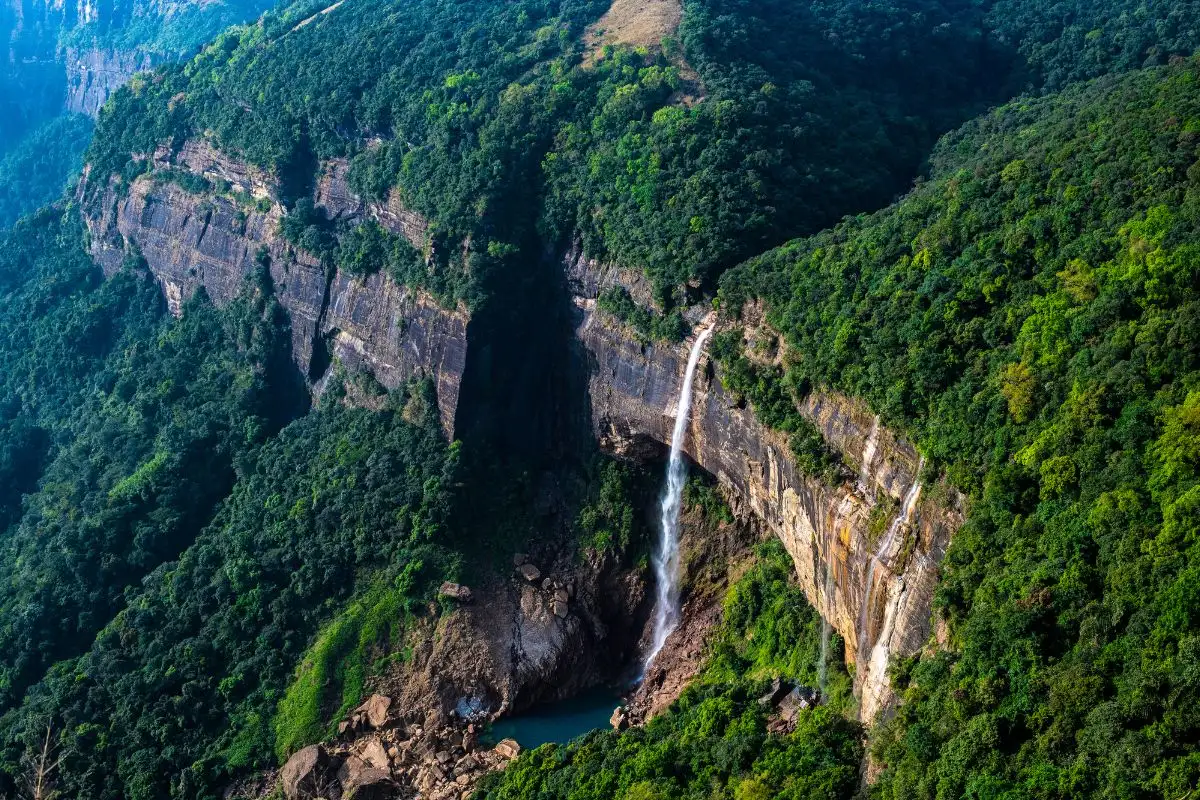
x: 761, y: 120
x: 195, y: 577
x: 1030, y: 316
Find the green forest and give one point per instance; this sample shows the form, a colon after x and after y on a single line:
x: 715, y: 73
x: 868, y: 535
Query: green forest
x: 1028, y: 314
x: 981, y: 217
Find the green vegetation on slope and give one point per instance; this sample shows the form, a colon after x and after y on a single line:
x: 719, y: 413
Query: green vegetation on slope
x: 182, y: 687
x: 1030, y: 316
x: 713, y: 744
x: 34, y: 173
x: 489, y: 122
x: 138, y: 425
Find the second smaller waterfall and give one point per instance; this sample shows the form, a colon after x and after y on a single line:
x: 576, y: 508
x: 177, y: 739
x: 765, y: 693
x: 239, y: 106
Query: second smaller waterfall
x: 666, y: 557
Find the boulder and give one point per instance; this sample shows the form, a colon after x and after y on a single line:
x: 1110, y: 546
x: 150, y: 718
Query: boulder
x: 373, y: 753
x: 508, y: 748
x: 370, y: 784
x: 559, y: 608
x: 456, y: 592
x: 520, y: 559
x: 796, y: 701
x: 374, y: 712
x: 352, y: 766
x: 306, y: 773
x: 529, y: 572
x: 774, y: 694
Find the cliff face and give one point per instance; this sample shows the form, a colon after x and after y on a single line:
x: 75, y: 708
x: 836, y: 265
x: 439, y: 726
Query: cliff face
x: 95, y: 73
x: 74, y: 54
x: 866, y: 553
x: 216, y: 239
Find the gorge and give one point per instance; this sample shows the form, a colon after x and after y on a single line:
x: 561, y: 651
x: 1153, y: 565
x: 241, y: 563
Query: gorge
x: 877, y: 595
x: 342, y: 385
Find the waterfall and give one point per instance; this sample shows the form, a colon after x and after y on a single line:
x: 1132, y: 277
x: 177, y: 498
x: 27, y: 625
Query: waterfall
x: 826, y: 628
x: 666, y: 558
x: 868, y: 455
x: 872, y: 653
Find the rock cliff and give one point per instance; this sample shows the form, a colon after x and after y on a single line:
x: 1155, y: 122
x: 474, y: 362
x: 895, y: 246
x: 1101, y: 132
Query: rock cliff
x: 866, y: 552
x: 215, y: 238
x: 93, y: 74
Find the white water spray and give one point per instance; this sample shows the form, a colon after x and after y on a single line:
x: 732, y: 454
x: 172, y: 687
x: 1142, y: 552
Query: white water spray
x: 868, y: 455
x: 826, y: 627
x: 877, y: 662
x: 666, y: 558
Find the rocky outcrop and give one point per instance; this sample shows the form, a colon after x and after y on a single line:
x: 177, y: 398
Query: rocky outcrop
x: 521, y: 644
x: 95, y: 73
x: 866, y: 552
x: 215, y: 239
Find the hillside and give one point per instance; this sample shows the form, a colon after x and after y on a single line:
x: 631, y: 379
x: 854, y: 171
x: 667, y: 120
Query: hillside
x: 338, y: 388
x: 1028, y: 315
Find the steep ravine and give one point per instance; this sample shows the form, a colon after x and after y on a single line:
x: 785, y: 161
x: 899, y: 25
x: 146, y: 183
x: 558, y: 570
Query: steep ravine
x: 875, y: 589
x: 215, y: 241
x: 881, y: 610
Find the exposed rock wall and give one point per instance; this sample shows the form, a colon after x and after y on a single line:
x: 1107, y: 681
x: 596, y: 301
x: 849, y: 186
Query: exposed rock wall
x: 95, y: 73
x: 215, y: 239
x: 876, y: 590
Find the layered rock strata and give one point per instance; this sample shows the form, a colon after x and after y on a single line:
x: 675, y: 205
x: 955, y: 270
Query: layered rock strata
x: 95, y: 73
x: 215, y: 240
x: 866, y: 551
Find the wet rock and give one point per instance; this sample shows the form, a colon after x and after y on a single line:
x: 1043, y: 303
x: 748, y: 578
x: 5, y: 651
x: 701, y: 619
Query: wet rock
x: 306, y: 773
x: 529, y: 572
x: 520, y: 559
x: 824, y: 526
x: 456, y: 592
x: 561, y: 595
x: 508, y: 748
x: 559, y: 608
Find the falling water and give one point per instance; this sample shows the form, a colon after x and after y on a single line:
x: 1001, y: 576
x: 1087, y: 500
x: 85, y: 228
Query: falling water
x: 868, y: 455
x: 826, y: 628
x: 907, y: 507
x: 666, y: 559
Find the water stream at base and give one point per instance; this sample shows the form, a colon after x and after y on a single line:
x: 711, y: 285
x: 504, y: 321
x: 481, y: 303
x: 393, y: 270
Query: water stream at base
x: 558, y: 722
x: 666, y: 558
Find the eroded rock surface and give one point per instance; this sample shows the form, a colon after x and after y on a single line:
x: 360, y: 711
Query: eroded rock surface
x: 215, y: 239
x: 876, y: 590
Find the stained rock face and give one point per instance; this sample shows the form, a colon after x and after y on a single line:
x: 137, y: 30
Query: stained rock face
x: 216, y: 239
x: 876, y: 590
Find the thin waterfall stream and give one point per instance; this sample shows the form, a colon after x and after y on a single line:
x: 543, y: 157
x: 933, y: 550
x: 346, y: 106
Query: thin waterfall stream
x: 666, y: 557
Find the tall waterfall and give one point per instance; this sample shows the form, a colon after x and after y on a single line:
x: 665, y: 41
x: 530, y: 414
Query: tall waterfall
x: 872, y: 651
x: 666, y: 558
